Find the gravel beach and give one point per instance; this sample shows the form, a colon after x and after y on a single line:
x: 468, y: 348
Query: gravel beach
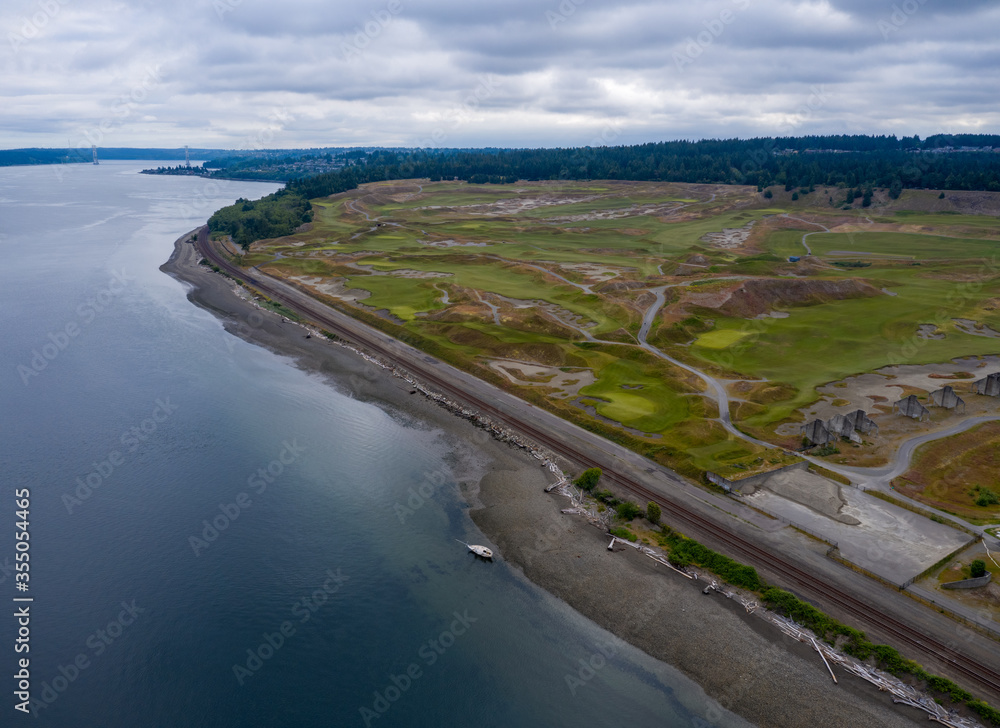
x: 742, y: 662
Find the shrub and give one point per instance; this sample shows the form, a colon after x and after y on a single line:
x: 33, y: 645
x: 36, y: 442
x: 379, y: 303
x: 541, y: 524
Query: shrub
x: 977, y: 568
x: 628, y: 510
x: 605, y: 496
x: 985, y: 497
x: 588, y: 478
x: 944, y: 685
x: 653, y: 513
x: 622, y: 532
x: 985, y: 710
x: 685, y: 551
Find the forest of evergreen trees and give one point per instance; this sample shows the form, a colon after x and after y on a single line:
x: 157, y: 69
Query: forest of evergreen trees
x: 849, y: 161
x: 273, y: 216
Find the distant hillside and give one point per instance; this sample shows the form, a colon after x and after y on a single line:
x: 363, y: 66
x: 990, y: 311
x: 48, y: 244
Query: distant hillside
x: 247, y: 159
x: 11, y: 157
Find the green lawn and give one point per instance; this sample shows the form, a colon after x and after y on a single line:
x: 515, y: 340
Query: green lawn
x: 721, y: 338
x: 904, y: 244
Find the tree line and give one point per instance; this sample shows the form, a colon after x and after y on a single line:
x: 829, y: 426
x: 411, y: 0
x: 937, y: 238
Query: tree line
x: 845, y: 161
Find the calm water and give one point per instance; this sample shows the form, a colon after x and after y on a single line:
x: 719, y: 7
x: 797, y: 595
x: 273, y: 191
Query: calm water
x: 147, y: 398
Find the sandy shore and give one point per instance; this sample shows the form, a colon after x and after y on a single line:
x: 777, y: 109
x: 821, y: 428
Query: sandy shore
x: 743, y: 663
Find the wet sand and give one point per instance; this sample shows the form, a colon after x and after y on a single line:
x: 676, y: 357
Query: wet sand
x: 745, y: 664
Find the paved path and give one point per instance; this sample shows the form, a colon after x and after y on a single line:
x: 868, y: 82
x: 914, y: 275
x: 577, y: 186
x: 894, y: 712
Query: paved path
x: 807, y: 222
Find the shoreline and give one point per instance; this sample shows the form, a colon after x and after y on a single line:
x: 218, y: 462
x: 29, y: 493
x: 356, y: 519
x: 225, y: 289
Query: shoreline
x: 738, y: 660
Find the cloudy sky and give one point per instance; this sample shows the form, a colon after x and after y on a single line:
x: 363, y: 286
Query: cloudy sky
x: 295, y: 73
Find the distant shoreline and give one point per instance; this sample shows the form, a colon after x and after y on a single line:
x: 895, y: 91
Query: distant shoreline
x: 208, y: 176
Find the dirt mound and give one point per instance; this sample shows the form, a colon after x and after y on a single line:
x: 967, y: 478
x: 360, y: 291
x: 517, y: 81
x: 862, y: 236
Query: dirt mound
x: 760, y: 296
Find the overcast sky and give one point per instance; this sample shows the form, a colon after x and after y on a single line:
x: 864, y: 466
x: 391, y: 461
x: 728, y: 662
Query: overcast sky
x: 301, y: 73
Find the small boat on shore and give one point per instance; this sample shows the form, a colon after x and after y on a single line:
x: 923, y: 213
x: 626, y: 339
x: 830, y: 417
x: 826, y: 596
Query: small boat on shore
x: 480, y: 551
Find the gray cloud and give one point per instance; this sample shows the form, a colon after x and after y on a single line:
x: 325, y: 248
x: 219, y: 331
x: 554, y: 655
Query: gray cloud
x: 518, y: 73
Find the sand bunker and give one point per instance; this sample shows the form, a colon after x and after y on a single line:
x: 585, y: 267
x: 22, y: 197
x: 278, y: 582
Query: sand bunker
x: 655, y: 210
x: 451, y: 244
x: 514, y: 205
x: 929, y: 331
x: 400, y: 272
x: 975, y: 328
x: 335, y: 288
x: 729, y: 237
x: 591, y: 270
x: 409, y: 273
x: 525, y: 374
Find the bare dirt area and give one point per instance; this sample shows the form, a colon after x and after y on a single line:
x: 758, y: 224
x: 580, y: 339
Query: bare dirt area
x: 751, y: 298
x: 810, y: 490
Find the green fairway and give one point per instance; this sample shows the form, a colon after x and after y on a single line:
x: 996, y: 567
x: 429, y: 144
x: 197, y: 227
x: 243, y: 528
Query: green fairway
x: 626, y: 394
x: 903, y: 244
x: 721, y: 338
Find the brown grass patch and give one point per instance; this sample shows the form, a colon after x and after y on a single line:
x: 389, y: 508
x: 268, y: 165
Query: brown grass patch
x: 943, y: 472
x: 769, y: 392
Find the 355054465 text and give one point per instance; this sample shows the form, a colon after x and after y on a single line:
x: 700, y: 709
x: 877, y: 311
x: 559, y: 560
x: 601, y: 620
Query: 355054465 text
x: 22, y: 610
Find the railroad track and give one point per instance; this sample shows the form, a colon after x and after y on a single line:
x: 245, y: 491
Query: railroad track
x: 681, y: 514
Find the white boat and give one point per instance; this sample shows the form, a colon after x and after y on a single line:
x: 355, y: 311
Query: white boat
x: 480, y: 551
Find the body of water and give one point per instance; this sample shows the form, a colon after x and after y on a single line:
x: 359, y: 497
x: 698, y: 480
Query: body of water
x: 213, y: 540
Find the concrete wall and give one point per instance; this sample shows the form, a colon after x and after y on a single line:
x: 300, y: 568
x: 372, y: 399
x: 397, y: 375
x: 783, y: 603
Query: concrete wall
x: 968, y: 583
x: 739, y: 485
